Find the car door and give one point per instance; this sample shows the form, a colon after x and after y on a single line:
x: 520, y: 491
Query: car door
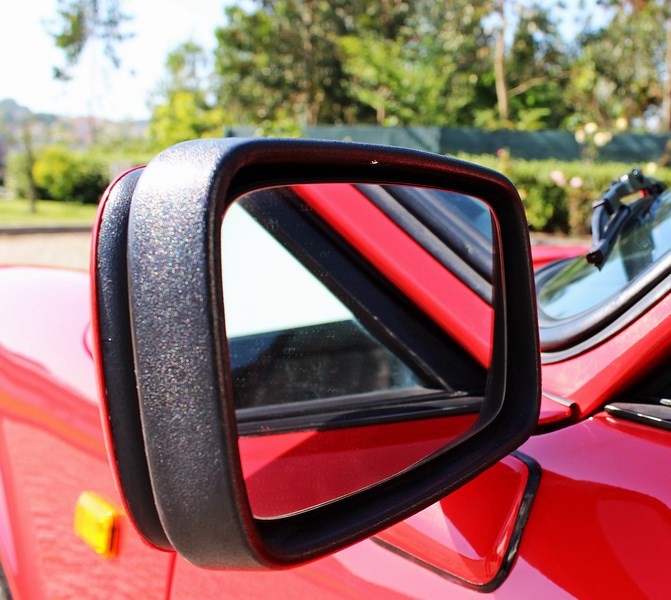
x: 52, y: 449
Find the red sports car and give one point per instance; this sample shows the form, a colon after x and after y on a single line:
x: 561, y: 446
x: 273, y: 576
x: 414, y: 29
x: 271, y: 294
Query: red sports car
x: 311, y: 370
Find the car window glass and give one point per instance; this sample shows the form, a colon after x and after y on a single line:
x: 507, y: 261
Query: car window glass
x: 290, y: 338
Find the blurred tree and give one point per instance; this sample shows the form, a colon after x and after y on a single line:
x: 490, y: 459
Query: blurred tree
x: 69, y: 176
x: 538, y: 66
x: 662, y: 9
x: 29, y: 153
x: 181, y: 110
x: 400, y: 88
x: 276, y: 65
x: 617, y: 73
x: 666, y: 98
x: 282, y: 65
x: 450, y: 42
x: 448, y: 65
x: 79, y: 21
x: 17, y: 124
x: 380, y: 64
x: 295, y: 63
x: 528, y: 75
x: 502, y: 99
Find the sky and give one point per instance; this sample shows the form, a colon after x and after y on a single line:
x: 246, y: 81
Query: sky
x: 261, y: 289
x: 28, y: 54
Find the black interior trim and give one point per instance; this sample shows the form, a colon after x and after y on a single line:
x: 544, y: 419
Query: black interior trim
x: 652, y: 414
x: 646, y: 401
x: 362, y: 410
x: 523, y: 513
x: 455, y: 231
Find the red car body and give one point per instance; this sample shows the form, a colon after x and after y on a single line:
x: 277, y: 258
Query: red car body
x: 583, y: 509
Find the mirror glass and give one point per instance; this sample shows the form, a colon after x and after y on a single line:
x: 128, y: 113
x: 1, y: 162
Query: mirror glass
x: 359, y: 333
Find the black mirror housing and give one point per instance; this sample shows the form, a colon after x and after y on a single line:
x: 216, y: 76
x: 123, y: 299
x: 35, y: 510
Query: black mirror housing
x: 163, y: 361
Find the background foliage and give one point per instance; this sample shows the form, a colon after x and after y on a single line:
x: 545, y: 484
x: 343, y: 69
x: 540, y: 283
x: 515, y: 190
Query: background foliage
x: 282, y: 66
x: 558, y: 195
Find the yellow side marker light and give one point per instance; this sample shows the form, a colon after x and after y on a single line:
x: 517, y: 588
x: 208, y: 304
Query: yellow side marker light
x: 97, y: 523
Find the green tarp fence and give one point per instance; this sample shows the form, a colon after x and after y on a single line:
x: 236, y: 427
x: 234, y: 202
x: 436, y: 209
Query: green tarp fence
x: 529, y: 145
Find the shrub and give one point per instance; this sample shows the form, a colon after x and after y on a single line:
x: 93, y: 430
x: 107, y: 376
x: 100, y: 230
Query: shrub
x: 67, y: 175
x: 558, y: 195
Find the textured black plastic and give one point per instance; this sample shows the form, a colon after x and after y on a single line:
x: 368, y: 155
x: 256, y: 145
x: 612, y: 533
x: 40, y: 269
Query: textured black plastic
x: 116, y: 348
x: 655, y: 415
x: 186, y: 402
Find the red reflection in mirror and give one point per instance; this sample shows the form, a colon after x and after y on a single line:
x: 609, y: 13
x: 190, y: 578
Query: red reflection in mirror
x: 290, y: 472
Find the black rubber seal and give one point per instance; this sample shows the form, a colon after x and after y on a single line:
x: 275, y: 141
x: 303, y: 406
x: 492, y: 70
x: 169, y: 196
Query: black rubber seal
x: 116, y: 347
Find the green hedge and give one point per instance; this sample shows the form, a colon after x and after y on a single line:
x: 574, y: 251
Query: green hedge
x: 558, y: 195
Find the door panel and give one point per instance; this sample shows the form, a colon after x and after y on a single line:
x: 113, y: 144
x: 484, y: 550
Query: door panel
x: 599, y: 527
x: 52, y: 449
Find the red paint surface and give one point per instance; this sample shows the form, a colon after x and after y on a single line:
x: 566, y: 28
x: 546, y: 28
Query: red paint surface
x: 599, y: 528
x: 601, y: 479
x: 468, y: 533
x: 51, y: 448
x: 542, y: 255
x: 600, y: 524
x: 553, y: 412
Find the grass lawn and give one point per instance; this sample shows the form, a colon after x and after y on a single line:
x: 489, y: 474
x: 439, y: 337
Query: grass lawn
x: 16, y: 213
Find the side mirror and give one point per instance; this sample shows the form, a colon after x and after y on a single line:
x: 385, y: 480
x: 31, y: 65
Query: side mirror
x: 300, y: 343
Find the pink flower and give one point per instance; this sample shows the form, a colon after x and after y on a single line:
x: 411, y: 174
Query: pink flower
x: 576, y: 182
x: 558, y: 178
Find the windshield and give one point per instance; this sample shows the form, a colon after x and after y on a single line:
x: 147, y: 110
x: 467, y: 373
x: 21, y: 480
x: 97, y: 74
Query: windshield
x: 578, y: 286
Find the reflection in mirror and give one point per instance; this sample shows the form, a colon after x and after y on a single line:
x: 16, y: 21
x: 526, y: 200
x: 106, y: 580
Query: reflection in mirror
x: 359, y: 329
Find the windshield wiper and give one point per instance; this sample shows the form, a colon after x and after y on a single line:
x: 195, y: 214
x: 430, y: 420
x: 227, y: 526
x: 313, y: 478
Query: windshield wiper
x: 610, y: 213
